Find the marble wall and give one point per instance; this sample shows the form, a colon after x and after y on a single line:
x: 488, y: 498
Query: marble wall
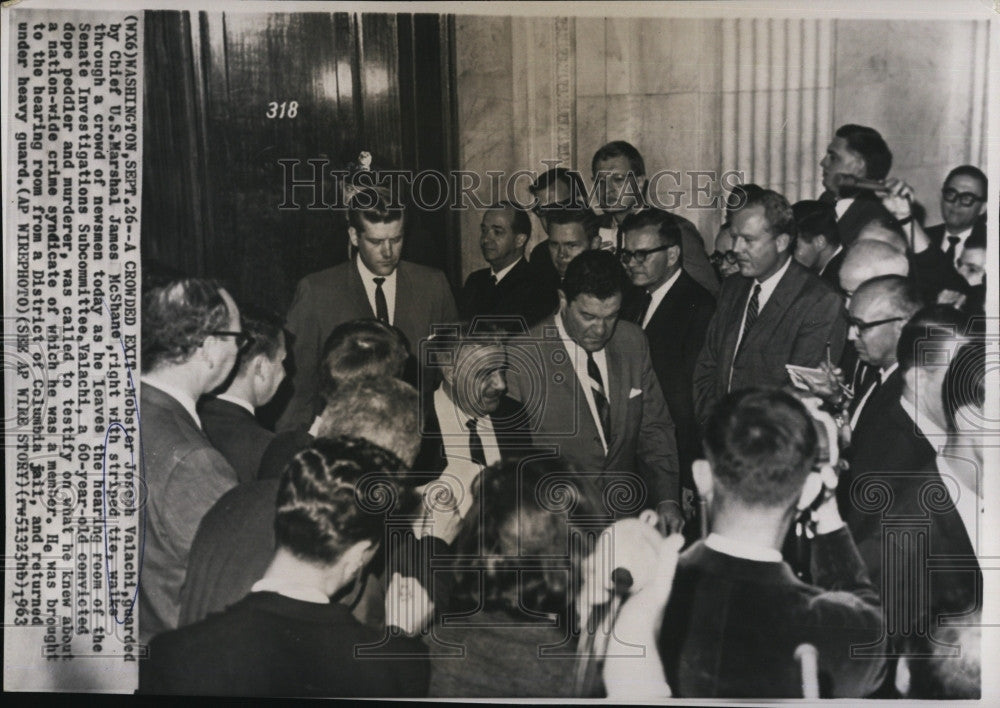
x: 536, y: 89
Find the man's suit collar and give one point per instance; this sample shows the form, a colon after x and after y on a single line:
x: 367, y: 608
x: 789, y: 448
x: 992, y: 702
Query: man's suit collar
x: 151, y: 393
x: 784, y: 295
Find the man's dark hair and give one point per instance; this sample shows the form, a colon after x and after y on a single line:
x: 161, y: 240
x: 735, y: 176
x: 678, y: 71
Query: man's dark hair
x: 335, y: 493
x: 525, y: 533
x: 777, y: 212
x: 374, y: 205
x: 380, y: 409
x: 177, y: 318
x: 934, y: 322
x: 620, y: 148
x: 575, y: 215
x: 668, y: 226
x: 970, y: 171
x: 868, y: 143
x: 264, y: 327
x: 965, y: 380
x: 520, y: 222
x: 571, y: 178
x: 596, y: 273
x: 366, y: 347
x: 815, y: 218
x: 762, y: 444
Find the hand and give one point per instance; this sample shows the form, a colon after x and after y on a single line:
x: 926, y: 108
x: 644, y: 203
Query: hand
x: 442, y: 516
x: 407, y: 605
x: 897, y: 198
x: 951, y: 297
x: 638, y: 624
x: 671, y: 518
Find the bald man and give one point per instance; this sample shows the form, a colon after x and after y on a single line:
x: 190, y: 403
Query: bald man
x: 869, y: 258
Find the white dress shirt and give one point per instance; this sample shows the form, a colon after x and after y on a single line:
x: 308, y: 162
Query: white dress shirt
x: 883, y: 374
x: 175, y: 393
x: 246, y: 405
x: 388, y: 288
x: 658, y: 295
x: 741, y: 549
x: 500, y: 274
x: 578, y: 355
x: 842, y: 206
x: 455, y: 434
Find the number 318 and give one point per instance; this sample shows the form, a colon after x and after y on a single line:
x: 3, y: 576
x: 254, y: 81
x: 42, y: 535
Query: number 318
x: 285, y: 109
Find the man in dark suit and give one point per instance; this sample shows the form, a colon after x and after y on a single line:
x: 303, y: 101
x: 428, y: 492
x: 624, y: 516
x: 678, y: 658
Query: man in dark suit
x: 737, y: 615
x: 901, y: 512
x: 508, y: 289
x: 286, y: 638
x: 228, y: 416
x: 376, y: 283
x: 469, y: 421
x: 674, y: 312
x: 619, y: 173
x: 774, y: 313
x: 235, y: 541
x: 818, y: 245
x: 963, y: 208
x: 855, y: 151
x: 191, y: 337
x: 587, y: 382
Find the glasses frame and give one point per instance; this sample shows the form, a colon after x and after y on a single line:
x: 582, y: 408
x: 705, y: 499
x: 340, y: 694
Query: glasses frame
x: 640, y: 255
x: 242, y: 338
x: 966, y: 199
x: 863, y: 326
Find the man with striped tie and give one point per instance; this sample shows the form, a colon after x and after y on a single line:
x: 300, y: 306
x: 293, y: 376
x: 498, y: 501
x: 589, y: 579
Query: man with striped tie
x: 587, y: 382
x: 777, y: 312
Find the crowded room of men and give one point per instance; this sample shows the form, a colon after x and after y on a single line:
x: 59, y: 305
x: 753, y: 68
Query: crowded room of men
x: 515, y: 357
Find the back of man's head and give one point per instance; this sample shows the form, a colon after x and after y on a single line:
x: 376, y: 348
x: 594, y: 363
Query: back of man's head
x: 177, y: 317
x: 264, y: 328
x: 868, y: 143
x: 620, y: 148
x: 815, y: 218
x: 867, y: 259
x: 964, y: 389
x: 365, y: 347
x: 334, y: 494
x: 596, y: 273
x: 761, y: 445
x: 885, y: 231
x: 381, y: 410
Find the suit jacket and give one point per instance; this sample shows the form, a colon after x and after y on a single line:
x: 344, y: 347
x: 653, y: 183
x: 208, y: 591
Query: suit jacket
x: 272, y: 645
x: 280, y: 451
x: 676, y: 333
x: 802, y: 315
x: 519, y: 294
x: 695, y: 258
x: 732, y: 625
x: 865, y: 208
x: 235, y: 432
x: 933, y: 272
x: 510, y: 425
x: 642, y: 439
x: 184, y: 475
x: 831, y: 272
x: 936, y: 233
x: 906, y: 526
x: 336, y: 295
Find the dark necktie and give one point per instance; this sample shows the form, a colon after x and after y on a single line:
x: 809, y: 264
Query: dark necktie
x: 753, y: 308
x: 600, y: 397
x: 647, y: 300
x: 476, y: 451
x: 493, y: 279
x: 952, y: 245
x: 381, y: 308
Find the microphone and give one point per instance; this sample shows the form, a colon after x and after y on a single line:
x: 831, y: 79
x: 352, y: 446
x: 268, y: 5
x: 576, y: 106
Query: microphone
x: 808, y: 657
x: 852, y: 182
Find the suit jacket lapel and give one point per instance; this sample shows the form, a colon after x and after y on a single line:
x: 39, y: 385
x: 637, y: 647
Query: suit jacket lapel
x: 617, y: 391
x: 356, y: 291
x: 774, y: 309
x: 732, y: 334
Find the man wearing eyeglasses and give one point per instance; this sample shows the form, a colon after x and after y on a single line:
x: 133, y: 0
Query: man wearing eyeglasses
x: 191, y: 336
x: 963, y: 208
x: 674, y: 312
x: 776, y: 312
